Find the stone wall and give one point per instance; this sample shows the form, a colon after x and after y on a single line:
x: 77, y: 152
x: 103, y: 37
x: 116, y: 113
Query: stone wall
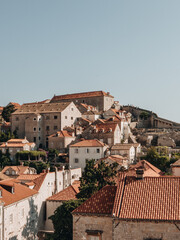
x: 126, y: 230
x: 83, y: 223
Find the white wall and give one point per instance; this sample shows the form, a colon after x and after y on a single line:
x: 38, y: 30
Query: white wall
x: 82, y: 155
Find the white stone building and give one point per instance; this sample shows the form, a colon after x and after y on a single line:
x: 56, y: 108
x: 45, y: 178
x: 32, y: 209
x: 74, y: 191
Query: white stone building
x: 85, y: 150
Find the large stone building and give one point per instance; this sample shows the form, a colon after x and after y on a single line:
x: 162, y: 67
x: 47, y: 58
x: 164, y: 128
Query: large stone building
x: 99, y: 99
x: 39, y: 120
x: 138, y: 208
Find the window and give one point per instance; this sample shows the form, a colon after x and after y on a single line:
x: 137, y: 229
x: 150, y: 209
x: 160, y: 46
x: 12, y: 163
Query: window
x: 7, y: 172
x: 39, y: 129
x: 76, y: 160
x: 71, y: 118
x: 65, y: 117
x: 17, y: 128
x: 94, y: 234
x: 72, y: 109
x: 55, y: 117
x: 47, y: 117
x: 87, y: 150
x: 34, y: 129
x: 13, y: 172
x: 47, y: 128
x: 34, y: 139
x: 17, y: 119
x: 39, y: 138
x: 34, y: 119
x: 98, y: 150
x: 76, y: 150
x: 55, y: 127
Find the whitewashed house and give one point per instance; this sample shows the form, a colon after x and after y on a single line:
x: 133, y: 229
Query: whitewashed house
x: 85, y: 150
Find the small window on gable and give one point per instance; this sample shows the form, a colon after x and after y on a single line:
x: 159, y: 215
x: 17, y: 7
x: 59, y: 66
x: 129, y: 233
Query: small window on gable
x: 72, y: 109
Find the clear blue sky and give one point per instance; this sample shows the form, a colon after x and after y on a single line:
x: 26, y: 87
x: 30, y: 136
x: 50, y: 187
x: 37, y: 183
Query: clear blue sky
x: 128, y: 47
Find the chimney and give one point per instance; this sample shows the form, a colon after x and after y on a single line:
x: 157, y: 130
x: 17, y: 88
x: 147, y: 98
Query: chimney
x: 139, y: 174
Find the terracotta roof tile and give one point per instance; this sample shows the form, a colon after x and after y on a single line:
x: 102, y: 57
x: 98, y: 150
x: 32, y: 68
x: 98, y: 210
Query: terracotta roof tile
x: 38, y: 181
x: 89, y: 143
x: 41, y: 108
x: 61, y: 134
x: 27, y: 177
x: 20, y: 192
x: 176, y: 164
x: 100, y: 203
x: 80, y: 95
x: 18, y: 169
x: 66, y: 194
x: 153, y: 198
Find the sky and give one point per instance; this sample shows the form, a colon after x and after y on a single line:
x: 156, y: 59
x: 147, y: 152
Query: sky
x: 126, y: 47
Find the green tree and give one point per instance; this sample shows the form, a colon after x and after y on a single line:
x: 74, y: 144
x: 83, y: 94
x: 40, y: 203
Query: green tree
x: 96, y: 176
x: 7, y: 111
x: 159, y: 161
x: 63, y: 220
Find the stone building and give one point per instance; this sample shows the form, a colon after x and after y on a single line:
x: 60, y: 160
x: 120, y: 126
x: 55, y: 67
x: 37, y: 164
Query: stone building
x: 99, y: 99
x: 139, y: 208
x: 37, y: 121
x: 53, y: 202
x: 16, y: 171
x: 107, y: 132
x: 18, y: 211
x: 85, y: 150
x: 61, y: 140
x: 16, y: 145
x: 126, y: 150
x: 175, y: 168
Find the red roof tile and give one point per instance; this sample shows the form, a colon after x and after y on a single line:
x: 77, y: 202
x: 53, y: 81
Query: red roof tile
x: 66, y: 194
x: 61, y: 134
x: 100, y: 203
x: 80, y: 95
x: 20, y: 192
x: 153, y: 198
x: 89, y: 143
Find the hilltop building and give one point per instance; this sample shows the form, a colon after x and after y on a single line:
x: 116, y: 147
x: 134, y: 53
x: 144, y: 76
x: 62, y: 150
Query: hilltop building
x: 99, y: 99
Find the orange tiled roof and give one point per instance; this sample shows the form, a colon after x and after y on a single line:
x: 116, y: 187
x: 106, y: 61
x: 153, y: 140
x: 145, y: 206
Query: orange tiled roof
x: 106, y: 126
x: 27, y: 177
x: 66, y: 194
x: 16, y: 105
x: 153, y: 198
x: 38, y: 181
x: 80, y: 95
x: 149, y: 169
x: 18, y: 169
x: 176, y: 164
x: 14, y: 145
x: 100, y: 203
x: 20, y: 192
x: 89, y: 143
x: 61, y: 134
x: 41, y: 108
